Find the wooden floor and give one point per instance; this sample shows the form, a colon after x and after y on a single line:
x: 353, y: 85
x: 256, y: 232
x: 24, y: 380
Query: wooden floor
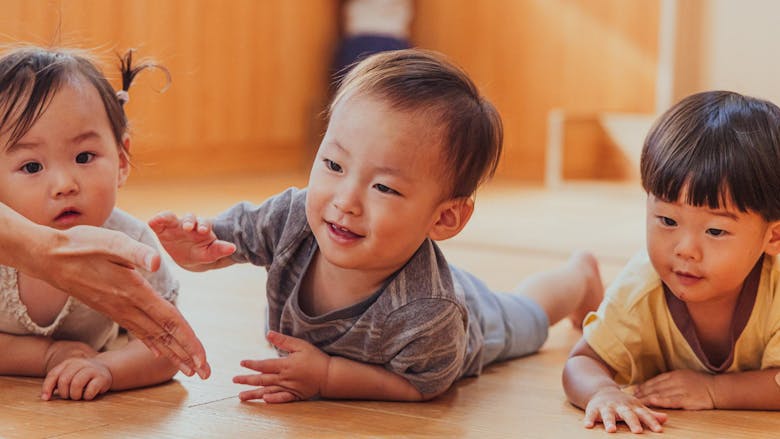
x: 515, y: 231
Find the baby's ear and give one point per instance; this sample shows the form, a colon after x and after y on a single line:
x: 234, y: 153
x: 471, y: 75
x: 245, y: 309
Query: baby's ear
x: 773, y: 244
x: 124, y: 161
x: 452, y: 217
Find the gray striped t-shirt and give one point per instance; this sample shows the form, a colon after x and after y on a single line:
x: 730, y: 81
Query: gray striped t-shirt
x: 417, y: 325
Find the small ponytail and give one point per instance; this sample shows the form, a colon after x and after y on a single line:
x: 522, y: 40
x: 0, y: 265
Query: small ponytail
x: 129, y: 72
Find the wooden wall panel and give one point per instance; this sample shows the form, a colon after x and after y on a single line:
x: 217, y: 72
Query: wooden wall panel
x: 249, y: 76
x: 530, y: 56
x: 690, y: 58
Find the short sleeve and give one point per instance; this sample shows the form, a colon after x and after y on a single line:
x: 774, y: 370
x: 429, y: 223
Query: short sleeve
x: 161, y: 280
x: 425, y: 342
x: 257, y: 230
x: 612, y: 333
x: 771, y: 356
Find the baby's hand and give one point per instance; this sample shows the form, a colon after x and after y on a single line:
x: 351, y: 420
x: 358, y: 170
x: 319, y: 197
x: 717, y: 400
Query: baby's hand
x: 678, y: 389
x: 191, y: 241
x: 77, y: 378
x: 299, y: 376
x: 62, y: 350
x: 611, y: 404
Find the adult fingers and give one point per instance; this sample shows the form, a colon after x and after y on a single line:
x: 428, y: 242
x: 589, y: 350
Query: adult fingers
x: 154, y: 336
x: 176, y: 339
x: 125, y: 250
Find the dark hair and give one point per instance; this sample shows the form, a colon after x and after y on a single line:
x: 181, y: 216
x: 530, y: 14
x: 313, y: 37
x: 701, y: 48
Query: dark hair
x: 425, y: 81
x: 30, y: 76
x: 719, y: 146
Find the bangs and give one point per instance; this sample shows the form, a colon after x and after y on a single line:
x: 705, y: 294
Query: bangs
x: 714, y: 167
x: 28, y: 83
x: 716, y: 149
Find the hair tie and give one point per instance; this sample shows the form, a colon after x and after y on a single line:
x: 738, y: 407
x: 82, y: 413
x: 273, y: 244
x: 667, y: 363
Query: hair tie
x: 122, y: 97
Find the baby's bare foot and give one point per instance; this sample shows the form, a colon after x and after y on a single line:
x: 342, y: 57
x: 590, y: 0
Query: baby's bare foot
x: 594, y: 289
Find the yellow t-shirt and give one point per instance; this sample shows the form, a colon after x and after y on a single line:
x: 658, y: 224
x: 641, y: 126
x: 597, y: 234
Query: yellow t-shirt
x: 634, y: 332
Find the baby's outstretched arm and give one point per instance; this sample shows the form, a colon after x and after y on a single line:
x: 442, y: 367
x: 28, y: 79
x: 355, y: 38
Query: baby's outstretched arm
x: 589, y: 384
x: 32, y: 355
x: 308, y: 372
x: 191, y: 241
x: 686, y: 389
x: 132, y: 366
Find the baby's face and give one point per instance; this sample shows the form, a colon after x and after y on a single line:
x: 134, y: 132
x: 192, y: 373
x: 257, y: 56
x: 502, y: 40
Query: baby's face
x: 66, y: 170
x: 375, y: 186
x: 704, y: 255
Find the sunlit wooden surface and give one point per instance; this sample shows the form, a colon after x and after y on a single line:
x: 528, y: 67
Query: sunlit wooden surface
x: 515, y: 231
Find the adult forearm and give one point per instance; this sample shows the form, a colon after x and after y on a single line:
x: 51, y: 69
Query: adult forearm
x: 349, y: 379
x: 21, y: 240
x: 583, y: 377
x: 753, y: 390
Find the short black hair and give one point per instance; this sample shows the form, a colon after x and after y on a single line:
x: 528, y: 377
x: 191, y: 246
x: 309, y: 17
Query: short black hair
x: 719, y: 146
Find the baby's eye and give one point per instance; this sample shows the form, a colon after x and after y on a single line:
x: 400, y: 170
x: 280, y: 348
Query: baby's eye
x: 32, y: 167
x: 84, y: 157
x: 333, y: 166
x: 667, y: 221
x: 716, y: 232
x: 386, y: 190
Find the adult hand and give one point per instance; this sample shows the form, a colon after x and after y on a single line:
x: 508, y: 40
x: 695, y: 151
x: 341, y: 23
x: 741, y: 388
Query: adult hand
x: 97, y: 266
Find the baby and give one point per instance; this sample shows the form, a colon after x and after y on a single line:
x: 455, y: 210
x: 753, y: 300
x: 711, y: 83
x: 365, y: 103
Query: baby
x: 64, y: 150
x: 362, y: 303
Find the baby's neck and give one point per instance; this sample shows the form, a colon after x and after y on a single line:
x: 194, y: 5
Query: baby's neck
x: 326, y: 288
x: 713, y: 323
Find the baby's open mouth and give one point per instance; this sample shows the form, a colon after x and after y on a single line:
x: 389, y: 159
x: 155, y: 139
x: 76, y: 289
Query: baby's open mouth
x: 67, y: 214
